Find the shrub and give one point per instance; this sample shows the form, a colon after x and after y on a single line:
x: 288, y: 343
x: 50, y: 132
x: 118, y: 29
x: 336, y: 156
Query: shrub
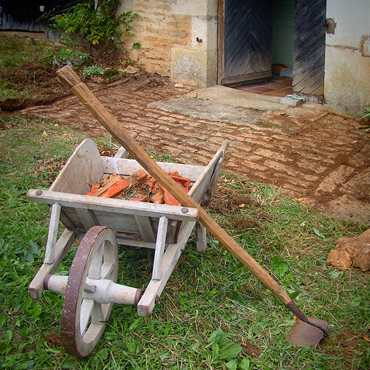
x: 74, y: 58
x: 97, y: 23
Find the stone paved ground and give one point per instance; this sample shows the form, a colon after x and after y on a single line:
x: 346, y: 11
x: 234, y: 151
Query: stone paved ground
x: 321, y: 158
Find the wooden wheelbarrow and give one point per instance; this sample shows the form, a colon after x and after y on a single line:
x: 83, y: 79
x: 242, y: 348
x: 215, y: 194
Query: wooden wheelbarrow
x: 90, y: 289
x: 306, y: 331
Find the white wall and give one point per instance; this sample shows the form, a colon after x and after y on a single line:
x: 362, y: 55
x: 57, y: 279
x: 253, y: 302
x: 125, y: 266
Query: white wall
x: 347, y: 59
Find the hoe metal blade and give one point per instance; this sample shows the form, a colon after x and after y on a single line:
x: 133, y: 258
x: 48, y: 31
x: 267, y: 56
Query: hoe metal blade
x: 303, y: 334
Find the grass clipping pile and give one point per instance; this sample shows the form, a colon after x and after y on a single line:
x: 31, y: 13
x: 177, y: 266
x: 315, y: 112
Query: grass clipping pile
x: 137, y: 187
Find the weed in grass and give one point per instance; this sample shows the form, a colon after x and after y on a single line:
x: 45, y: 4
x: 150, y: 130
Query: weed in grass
x: 213, y: 314
x: 93, y: 71
x: 6, y: 91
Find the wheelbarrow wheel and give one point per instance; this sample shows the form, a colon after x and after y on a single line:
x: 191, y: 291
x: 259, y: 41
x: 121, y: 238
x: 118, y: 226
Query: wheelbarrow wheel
x: 83, y: 319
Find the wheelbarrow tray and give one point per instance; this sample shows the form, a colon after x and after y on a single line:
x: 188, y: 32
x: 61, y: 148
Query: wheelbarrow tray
x: 134, y: 223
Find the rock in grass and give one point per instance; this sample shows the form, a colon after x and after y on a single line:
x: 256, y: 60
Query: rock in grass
x: 339, y: 259
x: 351, y: 252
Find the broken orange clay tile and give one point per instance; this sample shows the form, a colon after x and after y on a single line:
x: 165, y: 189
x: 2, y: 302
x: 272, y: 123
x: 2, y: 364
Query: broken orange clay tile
x: 152, y: 184
x: 116, y: 188
x: 169, y: 199
x: 92, y: 191
x: 155, y: 188
x: 94, y: 188
x: 158, y: 197
x: 144, y: 198
x: 103, y: 189
x: 115, y: 185
x: 139, y: 176
x: 182, y: 181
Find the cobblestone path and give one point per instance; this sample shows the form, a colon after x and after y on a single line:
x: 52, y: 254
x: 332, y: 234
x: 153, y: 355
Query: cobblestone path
x: 322, y: 159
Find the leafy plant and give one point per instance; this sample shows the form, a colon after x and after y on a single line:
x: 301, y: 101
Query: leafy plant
x: 110, y: 74
x: 74, y: 58
x: 366, y: 115
x: 93, y: 71
x: 96, y: 22
x: 223, y: 348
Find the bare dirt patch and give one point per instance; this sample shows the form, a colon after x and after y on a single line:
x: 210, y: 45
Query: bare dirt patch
x: 39, y: 81
x: 226, y: 201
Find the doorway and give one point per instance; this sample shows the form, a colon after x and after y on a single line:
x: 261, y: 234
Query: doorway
x: 264, y: 39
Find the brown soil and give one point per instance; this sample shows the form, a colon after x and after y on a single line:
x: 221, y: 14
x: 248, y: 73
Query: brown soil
x: 41, y: 82
x: 344, y: 344
x: 53, y: 340
x: 226, y: 201
x: 251, y: 349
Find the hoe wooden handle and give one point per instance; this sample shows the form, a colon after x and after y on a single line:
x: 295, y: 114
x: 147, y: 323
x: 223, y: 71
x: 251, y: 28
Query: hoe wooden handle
x: 69, y: 77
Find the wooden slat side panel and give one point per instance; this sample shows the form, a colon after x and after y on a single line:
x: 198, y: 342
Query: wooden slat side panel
x: 309, y: 47
x: 87, y: 217
x: 72, y: 215
x: 83, y: 169
x: 127, y: 167
x: 113, y: 206
x: 120, y: 223
x: 145, y: 227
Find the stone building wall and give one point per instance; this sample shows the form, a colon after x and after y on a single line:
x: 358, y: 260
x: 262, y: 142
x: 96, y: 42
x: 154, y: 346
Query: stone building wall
x: 178, y: 38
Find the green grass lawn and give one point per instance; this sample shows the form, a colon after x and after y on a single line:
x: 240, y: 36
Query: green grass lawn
x: 213, y: 313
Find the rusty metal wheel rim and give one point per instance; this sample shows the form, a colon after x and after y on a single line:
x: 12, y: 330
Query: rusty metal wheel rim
x: 84, y: 320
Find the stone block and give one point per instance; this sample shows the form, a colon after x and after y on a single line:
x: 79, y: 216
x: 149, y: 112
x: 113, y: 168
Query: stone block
x: 335, y: 179
x: 291, y: 100
x: 189, y: 66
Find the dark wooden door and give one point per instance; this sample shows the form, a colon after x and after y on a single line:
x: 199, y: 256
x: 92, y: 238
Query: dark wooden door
x: 309, y: 48
x: 247, y: 41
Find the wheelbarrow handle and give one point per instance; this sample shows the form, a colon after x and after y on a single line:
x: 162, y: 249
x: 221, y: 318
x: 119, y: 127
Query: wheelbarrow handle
x: 88, y: 99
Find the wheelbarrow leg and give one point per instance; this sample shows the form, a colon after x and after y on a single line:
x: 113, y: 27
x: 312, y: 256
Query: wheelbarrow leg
x: 62, y: 246
x: 201, y: 235
x: 53, y: 233
x: 155, y: 287
x: 159, y: 248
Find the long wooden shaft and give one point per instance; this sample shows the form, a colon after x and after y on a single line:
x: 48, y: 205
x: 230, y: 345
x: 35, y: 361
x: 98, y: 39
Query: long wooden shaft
x: 88, y: 99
